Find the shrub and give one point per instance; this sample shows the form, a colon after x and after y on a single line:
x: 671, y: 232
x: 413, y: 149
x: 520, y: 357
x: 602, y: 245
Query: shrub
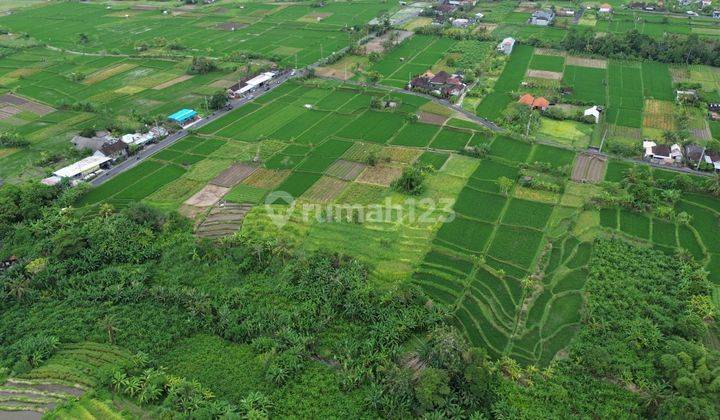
x: 411, y: 181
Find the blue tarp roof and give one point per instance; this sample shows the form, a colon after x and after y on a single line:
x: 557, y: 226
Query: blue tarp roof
x: 183, y: 115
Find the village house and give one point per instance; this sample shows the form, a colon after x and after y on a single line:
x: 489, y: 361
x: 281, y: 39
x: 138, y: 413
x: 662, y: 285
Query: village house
x: 445, y: 9
x: 712, y: 158
x: 662, y: 153
x: 533, y: 102
x: 694, y: 154
x: 506, y: 46
x: 460, y: 23
x: 716, y: 14
x: 542, y: 18
x: 689, y: 95
x: 84, y: 169
x: 566, y: 12
x: 93, y: 143
x: 114, y: 150
x: 605, y: 8
x: 705, y: 3
x: 441, y: 84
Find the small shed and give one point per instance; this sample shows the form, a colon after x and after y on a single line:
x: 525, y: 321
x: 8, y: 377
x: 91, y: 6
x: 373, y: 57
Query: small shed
x: 594, y: 112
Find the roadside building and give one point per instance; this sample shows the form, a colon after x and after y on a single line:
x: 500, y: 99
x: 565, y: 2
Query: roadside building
x: 245, y: 86
x: 93, y: 143
x: 506, y: 46
x: 694, y: 154
x: 566, y: 12
x: 460, y: 23
x: 712, y: 158
x: 663, y: 153
x: 542, y: 18
x: 593, y: 112
x: 689, y: 95
x: 183, y: 117
x: 85, y: 168
x: 716, y: 14
x: 115, y: 150
x: 705, y: 3
x: 605, y: 8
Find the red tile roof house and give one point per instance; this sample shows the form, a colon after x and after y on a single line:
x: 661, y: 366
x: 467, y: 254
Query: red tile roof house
x: 535, y: 103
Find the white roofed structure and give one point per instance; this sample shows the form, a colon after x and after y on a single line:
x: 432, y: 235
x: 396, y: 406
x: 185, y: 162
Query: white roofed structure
x: 83, y: 167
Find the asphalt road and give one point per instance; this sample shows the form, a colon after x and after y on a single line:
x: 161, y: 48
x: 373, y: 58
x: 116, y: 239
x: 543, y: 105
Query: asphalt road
x: 151, y: 149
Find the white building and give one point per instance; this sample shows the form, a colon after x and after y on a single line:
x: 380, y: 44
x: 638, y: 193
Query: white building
x: 662, y: 153
x: 506, y: 46
x: 460, y: 23
x: 83, y: 168
x: 594, y: 111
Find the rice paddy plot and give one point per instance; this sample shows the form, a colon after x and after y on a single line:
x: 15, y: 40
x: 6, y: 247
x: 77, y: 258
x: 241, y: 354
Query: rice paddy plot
x: 415, y: 134
x: 657, y: 82
x: 297, y: 183
x: 510, y: 149
x: 515, y: 245
x: 617, y: 170
x: 373, y: 126
x: 515, y: 69
x: 433, y: 159
x: 588, y: 84
x: 465, y: 235
x: 493, y: 105
x: 491, y: 170
x: 527, y: 213
x: 479, y: 205
x: 635, y: 224
x: 554, y: 156
x: 547, y: 63
x: 450, y: 139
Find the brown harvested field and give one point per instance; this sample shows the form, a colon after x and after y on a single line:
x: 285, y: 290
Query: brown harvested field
x: 436, y: 119
x: 8, y: 111
x: 701, y: 133
x: 230, y: 26
x: 526, y: 7
x: 619, y: 131
x: 380, y: 175
x: 324, y: 190
x: 23, y: 72
x: 334, y: 73
x: 267, y: 178
x: 377, y: 44
x: 542, y: 74
x: 144, y: 7
x: 345, y: 170
x: 589, y: 168
x: 659, y: 114
x: 233, y: 175
x: 174, y: 81
x: 222, y: 84
x: 586, y: 62
x: 550, y: 51
x: 487, y: 27
x: 108, y: 72
x: 11, y: 99
x: 17, y: 103
x: 208, y: 196
x: 400, y: 154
